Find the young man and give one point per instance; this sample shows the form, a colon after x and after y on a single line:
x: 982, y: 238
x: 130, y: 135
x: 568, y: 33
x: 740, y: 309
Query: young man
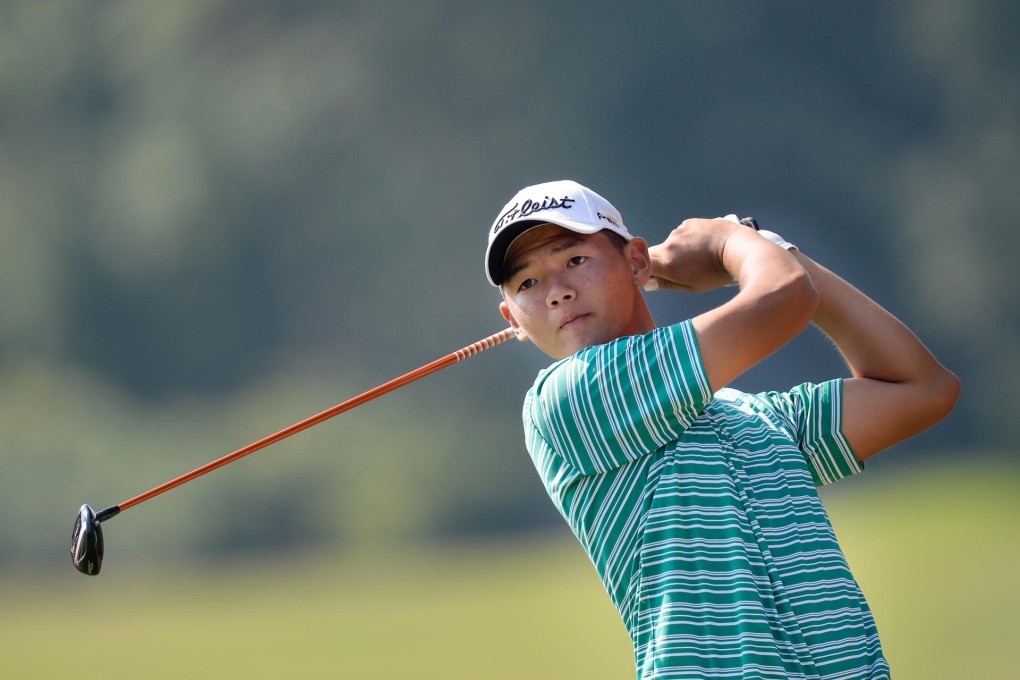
x: 697, y: 503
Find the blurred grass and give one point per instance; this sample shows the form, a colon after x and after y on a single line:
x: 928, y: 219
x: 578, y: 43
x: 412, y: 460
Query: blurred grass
x: 937, y: 552
x: 934, y: 546
x: 517, y: 610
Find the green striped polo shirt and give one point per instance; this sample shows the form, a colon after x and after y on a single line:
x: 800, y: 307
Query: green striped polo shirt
x: 700, y: 511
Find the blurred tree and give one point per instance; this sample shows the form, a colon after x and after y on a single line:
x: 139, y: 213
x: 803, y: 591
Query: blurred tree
x: 204, y: 201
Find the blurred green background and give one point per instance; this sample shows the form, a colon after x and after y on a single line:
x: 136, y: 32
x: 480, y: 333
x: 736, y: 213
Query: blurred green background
x: 220, y: 217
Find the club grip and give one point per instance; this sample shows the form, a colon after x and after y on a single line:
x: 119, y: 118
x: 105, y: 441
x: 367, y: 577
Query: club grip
x: 484, y: 344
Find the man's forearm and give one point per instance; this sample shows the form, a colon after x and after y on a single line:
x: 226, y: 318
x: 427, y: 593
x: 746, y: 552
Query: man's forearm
x: 899, y: 388
x: 874, y: 343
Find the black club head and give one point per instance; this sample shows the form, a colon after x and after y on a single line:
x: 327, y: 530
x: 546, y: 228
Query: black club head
x: 87, y: 542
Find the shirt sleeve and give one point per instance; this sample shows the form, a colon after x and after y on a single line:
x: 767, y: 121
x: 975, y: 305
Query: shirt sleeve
x: 609, y: 404
x: 814, y: 415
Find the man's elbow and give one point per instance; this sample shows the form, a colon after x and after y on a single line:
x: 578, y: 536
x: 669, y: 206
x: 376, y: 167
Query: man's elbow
x: 943, y: 394
x: 801, y: 299
x: 933, y: 397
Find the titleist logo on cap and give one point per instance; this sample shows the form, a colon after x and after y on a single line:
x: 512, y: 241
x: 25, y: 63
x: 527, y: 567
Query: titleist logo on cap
x: 528, y: 207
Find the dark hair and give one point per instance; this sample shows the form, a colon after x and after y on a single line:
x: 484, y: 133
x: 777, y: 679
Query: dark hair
x: 618, y: 241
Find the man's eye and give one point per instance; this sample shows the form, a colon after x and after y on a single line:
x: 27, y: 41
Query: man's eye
x: 526, y: 284
x: 577, y: 259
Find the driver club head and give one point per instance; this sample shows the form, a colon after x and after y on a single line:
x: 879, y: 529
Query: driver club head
x: 87, y: 542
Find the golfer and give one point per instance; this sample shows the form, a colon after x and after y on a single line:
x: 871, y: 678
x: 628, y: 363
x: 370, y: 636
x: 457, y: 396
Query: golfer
x: 697, y: 503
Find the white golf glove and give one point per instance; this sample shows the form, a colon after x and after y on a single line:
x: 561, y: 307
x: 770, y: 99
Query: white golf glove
x: 770, y: 235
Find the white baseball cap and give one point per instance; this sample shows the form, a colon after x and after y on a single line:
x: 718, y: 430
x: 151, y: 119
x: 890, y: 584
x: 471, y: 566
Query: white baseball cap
x: 563, y: 202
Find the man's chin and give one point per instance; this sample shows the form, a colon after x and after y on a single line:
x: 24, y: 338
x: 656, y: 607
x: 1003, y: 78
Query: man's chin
x: 569, y: 341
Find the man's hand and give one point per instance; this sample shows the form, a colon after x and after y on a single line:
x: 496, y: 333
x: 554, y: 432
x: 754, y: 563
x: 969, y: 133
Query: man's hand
x: 691, y: 257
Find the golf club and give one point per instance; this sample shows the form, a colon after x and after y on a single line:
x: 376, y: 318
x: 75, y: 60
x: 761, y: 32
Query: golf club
x: 87, y: 537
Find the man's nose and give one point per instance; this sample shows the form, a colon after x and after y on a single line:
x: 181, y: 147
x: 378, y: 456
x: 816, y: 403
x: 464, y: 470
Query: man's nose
x: 559, y: 292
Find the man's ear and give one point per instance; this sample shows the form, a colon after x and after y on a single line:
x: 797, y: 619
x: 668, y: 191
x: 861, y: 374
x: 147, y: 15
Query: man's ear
x: 636, y: 254
x: 505, y: 311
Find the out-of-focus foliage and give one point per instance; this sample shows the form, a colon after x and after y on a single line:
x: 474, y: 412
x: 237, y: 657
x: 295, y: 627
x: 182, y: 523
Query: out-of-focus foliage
x: 219, y: 217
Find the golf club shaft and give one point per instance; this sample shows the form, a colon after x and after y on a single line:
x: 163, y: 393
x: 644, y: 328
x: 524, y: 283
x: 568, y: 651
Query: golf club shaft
x: 396, y: 383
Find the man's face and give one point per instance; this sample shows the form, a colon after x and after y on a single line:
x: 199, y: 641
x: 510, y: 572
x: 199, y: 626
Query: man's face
x: 565, y: 291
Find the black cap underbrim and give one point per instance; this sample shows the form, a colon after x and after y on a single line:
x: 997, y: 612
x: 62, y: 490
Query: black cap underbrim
x: 496, y: 256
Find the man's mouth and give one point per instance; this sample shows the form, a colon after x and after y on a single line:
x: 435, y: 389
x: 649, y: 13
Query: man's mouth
x: 572, y: 320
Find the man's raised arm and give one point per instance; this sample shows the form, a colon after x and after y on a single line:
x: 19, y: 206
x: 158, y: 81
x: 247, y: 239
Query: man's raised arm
x: 898, y: 388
